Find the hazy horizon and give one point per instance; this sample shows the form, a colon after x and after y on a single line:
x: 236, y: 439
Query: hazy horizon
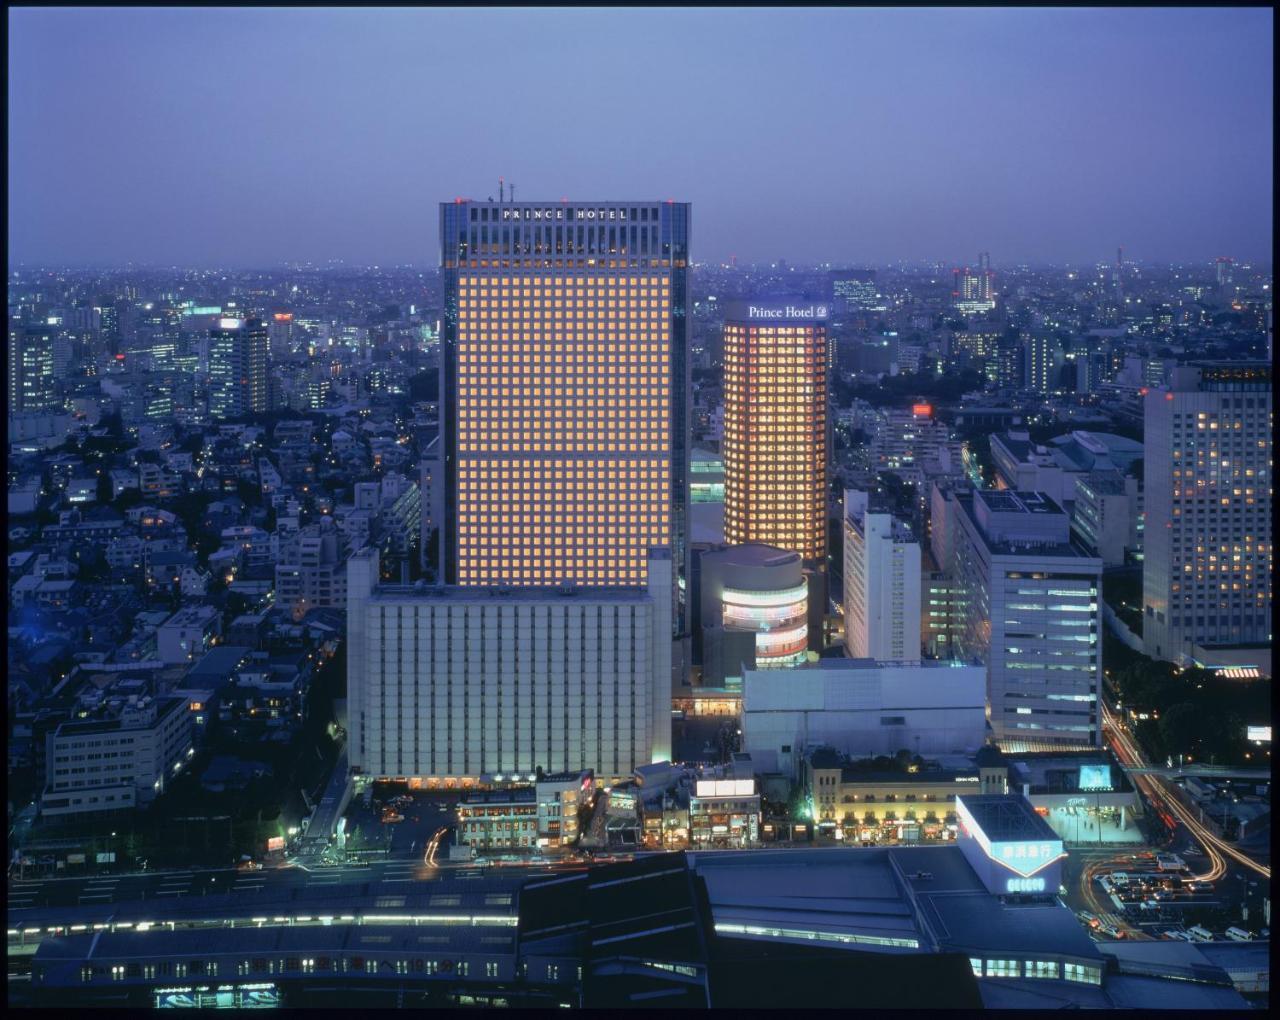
x: 249, y: 138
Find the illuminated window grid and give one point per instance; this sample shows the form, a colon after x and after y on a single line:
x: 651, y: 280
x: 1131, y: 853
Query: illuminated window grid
x: 775, y: 437
x: 563, y: 427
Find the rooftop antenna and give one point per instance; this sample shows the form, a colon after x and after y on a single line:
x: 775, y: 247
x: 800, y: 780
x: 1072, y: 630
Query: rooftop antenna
x: 500, y: 190
x: 513, y: 192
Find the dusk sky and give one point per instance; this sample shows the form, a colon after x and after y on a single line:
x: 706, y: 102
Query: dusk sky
x: 245, y: 137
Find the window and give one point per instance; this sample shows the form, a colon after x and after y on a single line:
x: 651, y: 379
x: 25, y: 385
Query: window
x: 1003, y: 968
x: 1082, y: 973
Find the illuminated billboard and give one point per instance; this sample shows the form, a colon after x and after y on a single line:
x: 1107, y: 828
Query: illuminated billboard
x: 1095, y: 777
x: 1024, y: 857
x: 251, y: 996
x: 1261, y: 734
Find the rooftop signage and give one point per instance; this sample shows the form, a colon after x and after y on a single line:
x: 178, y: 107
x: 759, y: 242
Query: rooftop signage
x: 781, y: 310
x: 553, y: 213
x: 1024, y: 857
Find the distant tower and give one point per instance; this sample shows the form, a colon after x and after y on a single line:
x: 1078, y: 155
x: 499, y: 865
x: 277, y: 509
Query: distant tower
x: 1225, y: 274
x: 238, y: 359
x: 986, y: 279
x: 1116, y: 276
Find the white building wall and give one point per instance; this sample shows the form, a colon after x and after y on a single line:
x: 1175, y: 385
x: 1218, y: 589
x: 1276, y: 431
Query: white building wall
x: 114, y: 769
x: 881, y: 586
x: 454, y: 682
x: 863, y: 708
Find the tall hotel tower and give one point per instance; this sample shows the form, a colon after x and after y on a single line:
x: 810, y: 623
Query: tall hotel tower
x: 775, y: 433
x: 564, y: 392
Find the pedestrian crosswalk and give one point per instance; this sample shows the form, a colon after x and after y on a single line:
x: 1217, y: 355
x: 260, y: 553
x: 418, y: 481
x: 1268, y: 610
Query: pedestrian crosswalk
x: 1114, y: 920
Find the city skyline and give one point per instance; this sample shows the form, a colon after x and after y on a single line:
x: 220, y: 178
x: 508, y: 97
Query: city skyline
x: 529, y: 598
x: 289, y: 144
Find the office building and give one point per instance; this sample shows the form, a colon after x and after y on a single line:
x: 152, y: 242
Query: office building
x: 1208, y: 538
x: 775, y: 428
x: 1107, y: 518
x: 449, y: 683
x: 280, y: 334
x: 904, y: 440
x: 238, y: 360
x: 121, y: 756
x: 881, y: 584
x: 853, y: 291
x: 564, y: 391
x: 1030, y: 599
x: 706, y: 490
x: 30, y: 363
x: 861, y: 708
x: 1055, y: 467
x: 939, y: 618
x: 754, y: 608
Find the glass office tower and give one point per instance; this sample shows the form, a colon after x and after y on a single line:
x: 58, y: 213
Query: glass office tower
x: 564, y: 391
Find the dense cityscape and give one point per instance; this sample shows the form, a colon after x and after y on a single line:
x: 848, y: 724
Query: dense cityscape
x: 578, y: 617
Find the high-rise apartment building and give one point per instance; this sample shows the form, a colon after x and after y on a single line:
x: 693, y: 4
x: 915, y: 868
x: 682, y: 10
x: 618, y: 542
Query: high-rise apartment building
x: 564, y: 390
x: 775, y: 426
x: 1028, y: 599
x: 311, y: 570
x: 238, y: 360
x: 1043, y: 360
x: 1208, y: 535
x: 881, y: 584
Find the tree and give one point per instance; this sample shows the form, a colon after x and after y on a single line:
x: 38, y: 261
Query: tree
x: 1180, y: 727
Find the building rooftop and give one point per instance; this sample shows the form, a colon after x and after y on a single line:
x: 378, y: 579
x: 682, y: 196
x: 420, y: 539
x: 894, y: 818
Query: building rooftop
x: 218, y: 664
x: 164, y: 707
x: 459, y: 594
x: 756, y: 554
x: 1003, y: 501
x: 1006, y: 817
